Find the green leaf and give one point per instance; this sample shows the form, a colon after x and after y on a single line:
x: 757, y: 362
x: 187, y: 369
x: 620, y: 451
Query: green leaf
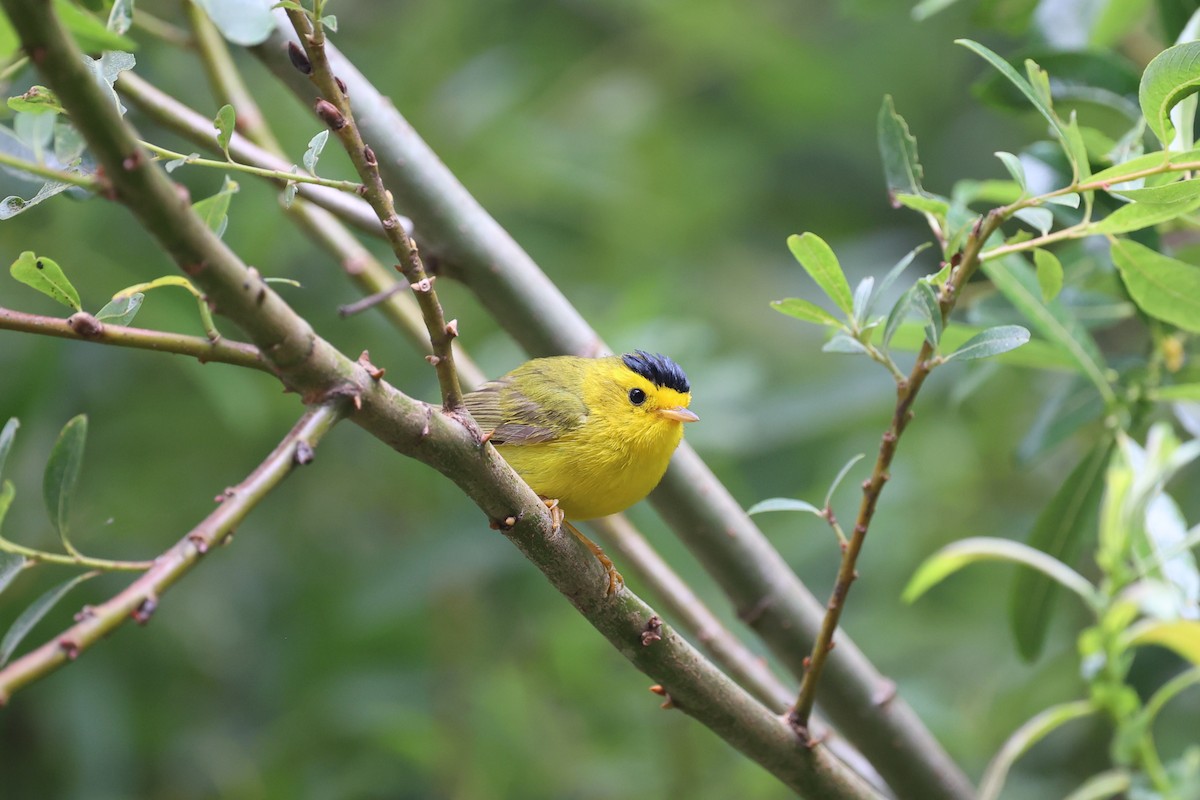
x: 1040, y: 219
x: 1163, y: 287
x: 36, y: 100
x: 992, y: 342
x: 241, y: 22
x: 926, y: 303
x: 841, y: 343
x: 1175, y: 192
x: 862, y: 300
x: 62, y: 476
x: 122, y: 309
x: 1110, y: 783
x: 6, y: 439
x: 1070, y: 200
x: 315, y: 145
x: 1119, y: 173
x: 225, y: 122
x: 214, y: 210
x: 33, y: 615
x: 782, y: 504
x: 1025, y: 737
x: 893, y: 274
x: 90, y: 33
x: 11, y: 564
x: 1135, y: 216
x: 1036, y: 354
x: 898, y: 148
x: 120, y: 18
x: 1049, y: 273
x: 841, y: 474
x: 923, y: 203
x: 1030, y: 93
x: 1182, y: 636
x: 43, y: 274
x: 1170, y: 76
x: 1059, y: 533
x: 927, y: 8
x: 1180, y: 391
x: 822, y: 265
x: 809, y: 312
x: 1014, y: 167
x: 955, y: 556
x: 329, y: 21
x: 897, y: 314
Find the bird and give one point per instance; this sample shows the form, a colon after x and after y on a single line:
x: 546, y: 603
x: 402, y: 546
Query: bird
x: 591, y: 436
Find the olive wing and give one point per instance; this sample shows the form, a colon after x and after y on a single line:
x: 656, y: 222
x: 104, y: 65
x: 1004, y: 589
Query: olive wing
x: 526, y: 408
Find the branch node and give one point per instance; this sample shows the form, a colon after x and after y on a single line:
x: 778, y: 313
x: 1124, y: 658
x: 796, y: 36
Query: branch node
x: 304, y: 453
x: 653, y: 631
x: 87, y: 612
x: 452, y: 328
x: 369, y: 156
x: 85, y: 325
x: 132, y: 161
x: 341, y: 84
x: 423, y: 286
x: 299, y: 58
x: 199, y: 542
x: 884, y: 694
x: 506, y: 524
x: 70, y: 647
x: 142, y: 614
x: 329, y: 114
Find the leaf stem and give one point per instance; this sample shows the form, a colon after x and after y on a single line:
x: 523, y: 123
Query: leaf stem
x: 74, y: 560
x: 88, y: 182
x: 276, y: 175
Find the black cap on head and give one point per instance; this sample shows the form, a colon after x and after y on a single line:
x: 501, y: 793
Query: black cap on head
x: 658, y: 369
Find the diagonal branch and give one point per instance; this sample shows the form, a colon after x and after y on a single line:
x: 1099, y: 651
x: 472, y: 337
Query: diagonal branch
x: 139, y: 600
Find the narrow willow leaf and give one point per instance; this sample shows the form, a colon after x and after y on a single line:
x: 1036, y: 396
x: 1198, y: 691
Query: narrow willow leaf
x: 1180, y: 391
x: 120, y: 18
x: 1135, y: 216
x: 927, y: 8
x: 1040, y: 219
x: 897, y: 314
x: 1182, y: 636
x: 809, y: 312
x: 1070, y: 200
x: 33, y: 615
x: 1036, y: 354
x: 1025, y: 737
x: 225, y: 122
x: 36, y: 100
x: 841, y: 343
x: 121, y: 310
x: 315, y: 145
x: 1058, y: 532
x: 955, y: 556
x: 6, y: 439
x: 782, y: 504
x: 1026, y: 89
x: 241, y: 22
x: 90, y: 33
x: 62, y: 475
x: 898, y: 148
x: 937, y: 206
x: 43, y: 274
x: 822, y: 265
x: 893, y: 274
x: 329, y: 21
x: 841, y: 474
x: 1049, y: 273
x: 1169, y: 78
x: 1163, y: 287
x: 1103, y: 785
x: 1176, y: 192
x: 214, y: 210
x: 992, y: 342
x: 1015, y: 168
x: 11, y: 565
x: 862, y: 300
x: 1119, y: 173
x: 926, y: 302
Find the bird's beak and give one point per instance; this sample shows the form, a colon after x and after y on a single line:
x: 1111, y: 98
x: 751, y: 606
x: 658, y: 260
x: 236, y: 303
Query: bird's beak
x: 679, y: 414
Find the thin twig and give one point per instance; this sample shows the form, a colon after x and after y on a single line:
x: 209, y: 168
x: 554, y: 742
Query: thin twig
x: 280, y: 176
x: 138, y: 600
x: 89, y: 182
x: 74, y: 559
x: 906, y: 393
x: 84, y: 327
x: 334, y: 109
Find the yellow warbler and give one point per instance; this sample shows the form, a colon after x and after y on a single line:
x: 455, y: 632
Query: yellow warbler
x: 591, y: 436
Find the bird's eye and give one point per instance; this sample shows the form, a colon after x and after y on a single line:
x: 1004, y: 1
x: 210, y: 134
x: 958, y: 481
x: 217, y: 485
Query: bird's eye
x: 637, y: 396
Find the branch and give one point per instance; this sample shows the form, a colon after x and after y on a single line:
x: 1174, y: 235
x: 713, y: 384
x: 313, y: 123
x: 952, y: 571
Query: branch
x: 88, y: 182
x: 333, y: 108
x: 84, y: 327
x: 709, y: 521
x: 308, y: 364
x: 139, y: 600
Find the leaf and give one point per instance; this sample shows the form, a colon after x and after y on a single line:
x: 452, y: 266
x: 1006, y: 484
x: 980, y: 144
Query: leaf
x: 1014, y: 167
x: 1182, y: 636
x: 809, y: 312
x: 893, y: 274
x: 1103, y: 785
x: 1025, y: 737
x: 955, y: 556
x: 897, y: 315
x: 90, y: 33
x: 1179, y: 391
x: 1170, y: 76
x: 121, y: 310
x: 1119, y: 173
x: 242, y: 22
x: 841, y: 343
x: 33, y: 615
x: 783, y: 504
x: 926, y: 303
x: 1135, y: 216
x: 1040, y: 219
x: 108, y: 68
x: 992, y: 342
x: 1163, y: 287
x: 927, y: 8
x: 898, y: 148
x: 1036, y: 354
x: 225, y: 122
x: 6, y: 439
x: 1026, y: 89
x: 1058, y: 533
x: 1049, y: 273
x: 36, y: 100
x: 329, y: 21
x: 923, y: 203
x: 213, y: 210
x: 841, y: 474
x: 862, y: 300
x: 1175, y: 192
x: 822, y: 265
x: 11, y: 564
x: 1070, y: 200
x: 120, y: 18
x: 62, y: 476
x: 315, y: 145
x: 44, y: 275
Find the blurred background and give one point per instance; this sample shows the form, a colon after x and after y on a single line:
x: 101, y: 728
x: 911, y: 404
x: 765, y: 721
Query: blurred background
x: 366, y: 634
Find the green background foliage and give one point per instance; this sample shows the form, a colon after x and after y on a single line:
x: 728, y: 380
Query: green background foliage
x: 366, y: 634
